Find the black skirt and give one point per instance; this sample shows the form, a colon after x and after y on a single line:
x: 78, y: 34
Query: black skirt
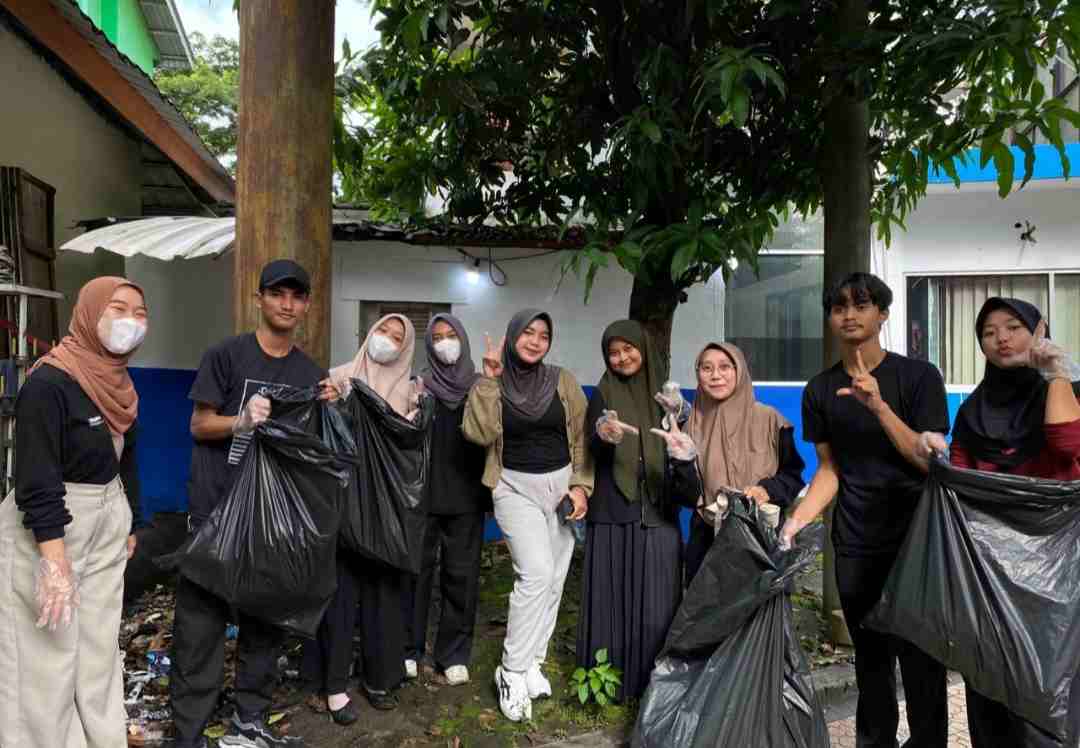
x: 631, y: 589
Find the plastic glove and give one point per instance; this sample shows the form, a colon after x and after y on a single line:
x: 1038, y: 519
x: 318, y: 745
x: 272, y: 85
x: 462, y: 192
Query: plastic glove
x: 679, y: 445
x: 57, y: 592
x: 1051, y: 361
x: 791, y: 528
x: 607, y: 427
x: 255, y: 412
x: 671, y: 400
x: 931, y: 442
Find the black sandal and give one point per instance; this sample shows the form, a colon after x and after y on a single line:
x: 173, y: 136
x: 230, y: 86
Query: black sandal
x: 384, y: 701
x: 346, y: 715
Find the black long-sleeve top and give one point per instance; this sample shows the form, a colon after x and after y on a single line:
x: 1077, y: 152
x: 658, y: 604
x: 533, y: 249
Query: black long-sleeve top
x: 687, y: 487
x: 457, y: 467
x: 61, y: 437
x: 608, y: 505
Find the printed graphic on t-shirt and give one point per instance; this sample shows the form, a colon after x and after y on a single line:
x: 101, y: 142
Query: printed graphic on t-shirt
x: 238, y: 446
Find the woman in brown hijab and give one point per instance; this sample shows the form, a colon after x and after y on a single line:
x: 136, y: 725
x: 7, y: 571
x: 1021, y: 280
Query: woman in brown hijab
x: 66, y: 537
x: 742, y: 444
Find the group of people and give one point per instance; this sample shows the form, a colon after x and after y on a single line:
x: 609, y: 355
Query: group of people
x: 518, y: 438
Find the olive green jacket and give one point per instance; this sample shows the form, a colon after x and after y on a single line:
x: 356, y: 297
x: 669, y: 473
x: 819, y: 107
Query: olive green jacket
x: 483, y: 425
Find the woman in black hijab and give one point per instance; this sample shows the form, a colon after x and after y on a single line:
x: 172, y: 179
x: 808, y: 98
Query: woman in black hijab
x: 633, y: 552
x: 530, y: 416
x: 457, y: 502
x: 1022, y: 419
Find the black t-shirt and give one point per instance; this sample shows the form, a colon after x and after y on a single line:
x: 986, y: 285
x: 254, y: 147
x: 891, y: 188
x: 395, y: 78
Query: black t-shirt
x: 229, y: 375
x: 457, y: 467
x: 61, y: 437
x: 536, y: 446
x: 879, y: 489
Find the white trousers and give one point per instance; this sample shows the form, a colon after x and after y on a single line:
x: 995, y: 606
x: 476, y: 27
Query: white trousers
x: 65, y: 688
x: 541, y: 548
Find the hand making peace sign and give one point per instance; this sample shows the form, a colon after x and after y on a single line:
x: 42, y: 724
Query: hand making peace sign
x: 493, y: 357
x: 864, y: 387
x: 679, y: 444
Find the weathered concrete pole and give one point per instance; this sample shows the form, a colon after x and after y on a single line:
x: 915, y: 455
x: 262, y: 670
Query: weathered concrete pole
x: 284, y: 166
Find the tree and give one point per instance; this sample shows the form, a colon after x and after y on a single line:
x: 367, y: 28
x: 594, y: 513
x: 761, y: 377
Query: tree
x: 209, y: 94
x: 679, y: 131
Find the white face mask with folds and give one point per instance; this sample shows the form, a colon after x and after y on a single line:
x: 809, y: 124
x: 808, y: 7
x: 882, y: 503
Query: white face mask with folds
x: 122, y: 335
x: 448, y: 350
x: 382, y: 350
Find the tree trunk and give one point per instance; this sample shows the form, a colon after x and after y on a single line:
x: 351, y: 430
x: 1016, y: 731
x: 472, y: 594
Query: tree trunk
x: 653, y: 305
x: 845, y: 173
x: 284, y: 156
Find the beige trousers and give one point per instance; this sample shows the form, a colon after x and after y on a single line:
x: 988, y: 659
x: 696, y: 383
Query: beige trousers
x: 65, y: 688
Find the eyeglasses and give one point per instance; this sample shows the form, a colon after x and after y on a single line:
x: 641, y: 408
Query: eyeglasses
x: 724, y: 370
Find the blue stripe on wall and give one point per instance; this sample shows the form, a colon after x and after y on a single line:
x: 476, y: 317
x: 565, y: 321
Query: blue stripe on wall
x: 164, y: 444
x: 1048, y: 165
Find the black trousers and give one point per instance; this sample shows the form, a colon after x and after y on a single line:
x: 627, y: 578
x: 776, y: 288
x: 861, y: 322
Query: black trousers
x: 198, y: 661
x: 992, y: 725
x: 860, y: 581
x: 458, y: 539
x: 378, y: 589
x: 326, y: 661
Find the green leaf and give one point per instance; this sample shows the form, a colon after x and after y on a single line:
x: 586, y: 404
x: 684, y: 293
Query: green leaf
x: 739, y: 107
x: 683, y: 259
x: 1004, y: 163
x: 601, y: 699
x: 651, y: 130
x: 583, y: 693
x: 595, y: 684
x: 602, y: 670
x: 611, y: 688
x: 601, y: 656
x: 1024, y: 144
x: 579, y: 675
x: 1038, y: 92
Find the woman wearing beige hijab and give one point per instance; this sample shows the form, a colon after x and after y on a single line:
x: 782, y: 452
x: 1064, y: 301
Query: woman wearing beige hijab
x: 67, y: 532
x: 384, y: 364
x: 741, y: 444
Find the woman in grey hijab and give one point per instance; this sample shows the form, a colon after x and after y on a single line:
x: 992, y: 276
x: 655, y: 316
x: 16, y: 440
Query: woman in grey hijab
x: 457, y: 503
x: 530, y: 417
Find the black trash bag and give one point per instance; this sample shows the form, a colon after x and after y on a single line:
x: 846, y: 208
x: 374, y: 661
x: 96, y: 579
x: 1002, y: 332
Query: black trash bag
x: 987, y: 582
x: 269, y: 549
x: 303, y: 409
x: 731, y: 674
x: 384, y: 520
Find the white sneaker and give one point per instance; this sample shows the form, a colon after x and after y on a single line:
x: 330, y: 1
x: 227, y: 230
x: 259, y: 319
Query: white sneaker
x: 538, y: 685
x: 411, y: 671
x: 457, y: 675
x: 513, y: 695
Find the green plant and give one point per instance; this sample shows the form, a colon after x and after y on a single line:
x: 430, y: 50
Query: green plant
x: 599, y: 683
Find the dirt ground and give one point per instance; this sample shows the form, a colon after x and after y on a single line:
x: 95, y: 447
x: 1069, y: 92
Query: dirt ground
x: 431, y: 713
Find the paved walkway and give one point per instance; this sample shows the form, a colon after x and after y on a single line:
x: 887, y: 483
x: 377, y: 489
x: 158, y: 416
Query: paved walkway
x: 842, y: 731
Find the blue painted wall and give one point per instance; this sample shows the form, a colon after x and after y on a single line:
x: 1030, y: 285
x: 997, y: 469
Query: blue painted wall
x: 164, y: 445
x: 1048, y: 165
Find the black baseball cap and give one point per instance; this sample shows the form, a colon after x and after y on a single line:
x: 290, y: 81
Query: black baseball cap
x: 280, y: 272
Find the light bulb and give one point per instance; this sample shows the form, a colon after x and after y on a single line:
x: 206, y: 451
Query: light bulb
x: 473, y: 274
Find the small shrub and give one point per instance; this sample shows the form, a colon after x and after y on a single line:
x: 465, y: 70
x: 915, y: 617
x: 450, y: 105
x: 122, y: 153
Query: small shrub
x: 599, y: 684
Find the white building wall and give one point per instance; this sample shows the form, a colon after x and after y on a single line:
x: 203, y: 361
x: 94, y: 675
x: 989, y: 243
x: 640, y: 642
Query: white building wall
x: 970, y: 231
x: 51, y: 131
x: 386, y: 271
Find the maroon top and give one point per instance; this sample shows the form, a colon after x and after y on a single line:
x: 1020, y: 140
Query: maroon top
x: 1060, y: 460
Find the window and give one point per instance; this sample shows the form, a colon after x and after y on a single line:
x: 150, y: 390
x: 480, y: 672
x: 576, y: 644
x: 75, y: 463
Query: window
x: 775, y: 316
x: 942, y: 311
x: 419, y: 313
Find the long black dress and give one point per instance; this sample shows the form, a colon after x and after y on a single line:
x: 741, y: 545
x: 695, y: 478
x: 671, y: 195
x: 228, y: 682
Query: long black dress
x: 632, y: 582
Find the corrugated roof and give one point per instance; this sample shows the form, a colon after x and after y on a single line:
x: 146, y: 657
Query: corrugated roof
x: 164, y: 23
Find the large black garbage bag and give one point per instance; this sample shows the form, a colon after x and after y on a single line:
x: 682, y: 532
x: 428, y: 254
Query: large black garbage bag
x: 731, y: 674
x: 988, y: 583
x: 269, y: 548
x: 384, y: 520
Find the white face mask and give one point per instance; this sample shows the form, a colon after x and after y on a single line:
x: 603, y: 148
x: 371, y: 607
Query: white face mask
x: 121, y: 336
x: 448, y: 350
x: 381, y: 349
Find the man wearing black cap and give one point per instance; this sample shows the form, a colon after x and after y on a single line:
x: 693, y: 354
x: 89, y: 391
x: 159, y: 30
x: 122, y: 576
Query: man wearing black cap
x: 229, y: 403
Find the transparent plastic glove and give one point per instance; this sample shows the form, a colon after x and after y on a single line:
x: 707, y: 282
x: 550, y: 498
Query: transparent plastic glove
x: 671, y: 400
x: 57, y: 592
x: 679, y: 445
x: 791, y: 528
x: 931, y: 442
x: 255, y: 412
x: 607, y: 427
x: 1050, y: 360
